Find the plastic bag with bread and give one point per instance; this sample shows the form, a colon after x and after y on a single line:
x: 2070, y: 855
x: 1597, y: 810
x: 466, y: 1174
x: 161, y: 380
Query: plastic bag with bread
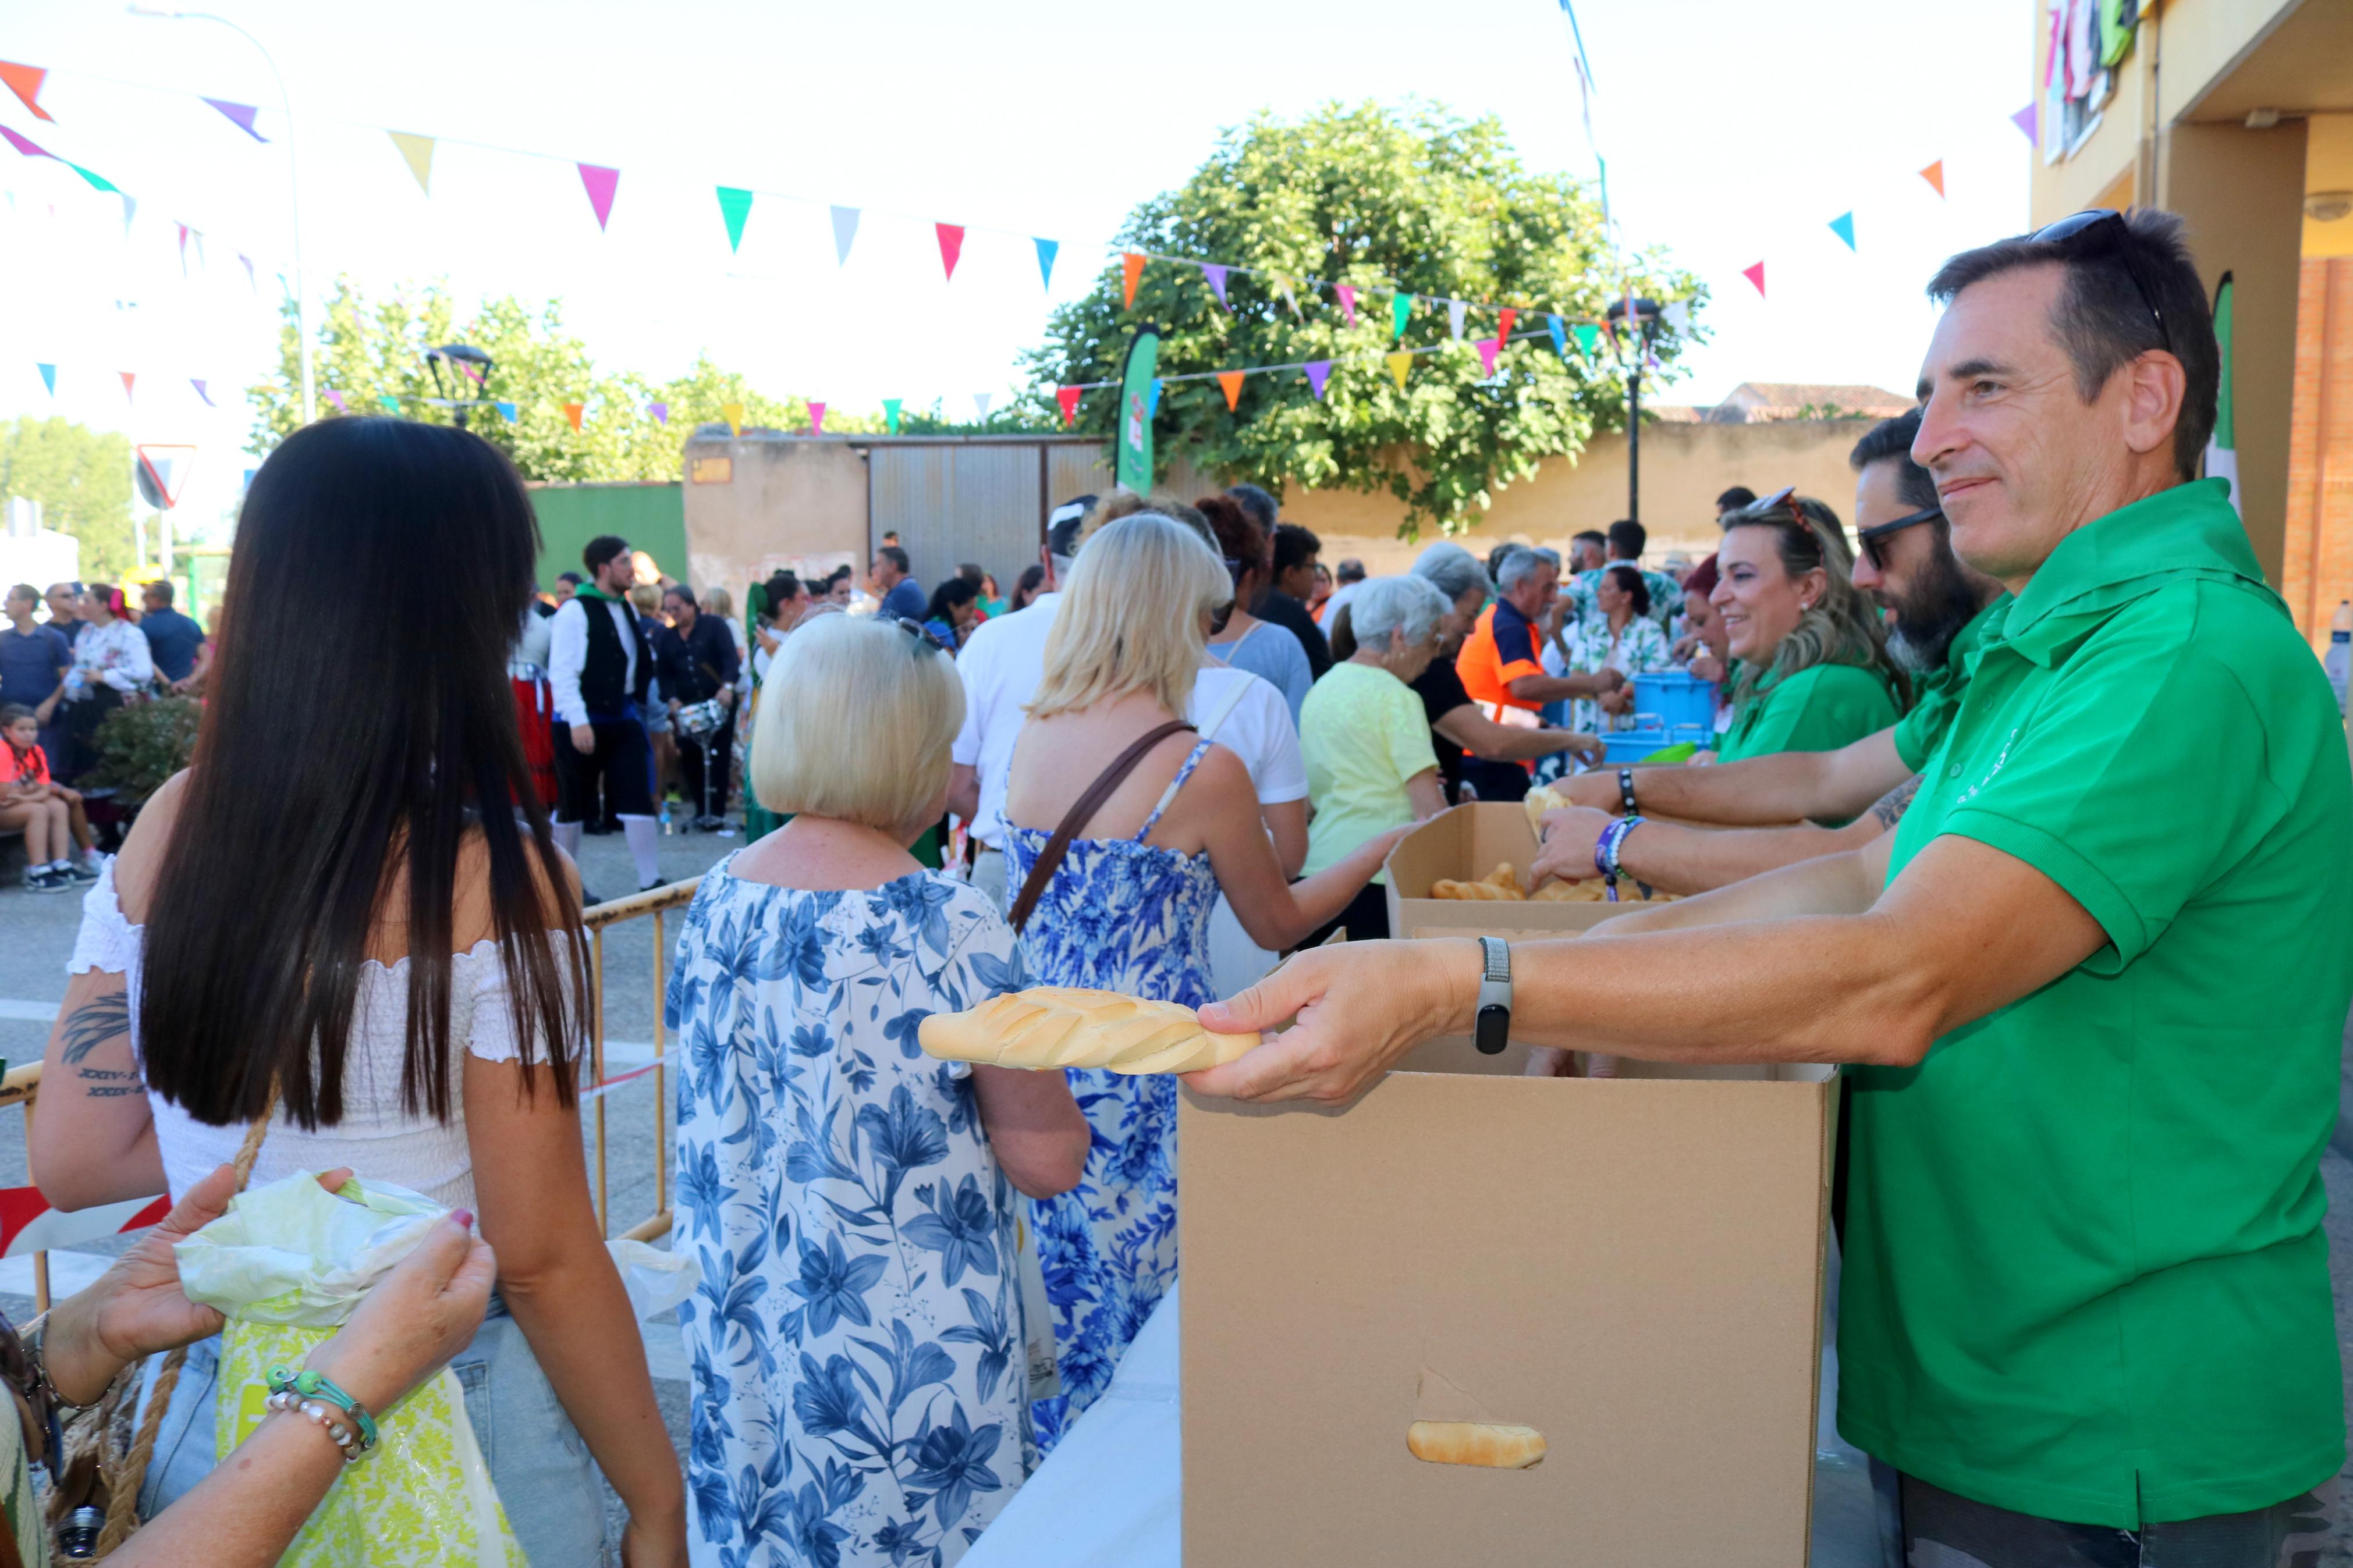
x: 1071, y: 1026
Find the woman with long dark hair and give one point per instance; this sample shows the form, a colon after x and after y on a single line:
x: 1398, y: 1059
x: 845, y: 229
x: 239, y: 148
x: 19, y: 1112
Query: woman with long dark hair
x: 348, y: 917
x: 953, y: 611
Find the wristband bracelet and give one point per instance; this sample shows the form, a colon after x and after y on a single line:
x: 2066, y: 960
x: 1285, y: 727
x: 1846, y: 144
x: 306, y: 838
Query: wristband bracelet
x: 1605, y: 854
x: 1626, y: 791
x: 312, y: 1395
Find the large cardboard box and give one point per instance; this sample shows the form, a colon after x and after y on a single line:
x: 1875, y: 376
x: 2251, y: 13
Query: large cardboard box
x: 1631, y: 1266
x: 1466, y: 843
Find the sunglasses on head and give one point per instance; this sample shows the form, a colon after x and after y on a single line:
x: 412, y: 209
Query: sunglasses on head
x: 1869, y: 538
x: 1766, y: 507
x: 2083, y: 233
x: 921, y: 635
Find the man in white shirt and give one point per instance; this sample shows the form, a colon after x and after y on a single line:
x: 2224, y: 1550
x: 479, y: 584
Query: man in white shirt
x: 599, y: 671
x: 1006, y: 660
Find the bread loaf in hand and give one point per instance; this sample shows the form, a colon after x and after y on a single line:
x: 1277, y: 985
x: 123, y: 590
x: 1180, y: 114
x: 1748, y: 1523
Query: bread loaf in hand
x: 1541, y: 799
x: 1069, y: 1026
x: 1483, y: 1442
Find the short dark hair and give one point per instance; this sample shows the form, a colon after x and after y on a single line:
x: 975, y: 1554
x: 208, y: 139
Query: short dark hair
x: 1733, y: 499
x: 15, y: 713
x: 2103, y: 320
x: 572, y: 577
x: 896, y: 557
x: 1258, y: 503
x: 1349, y: 571
x: 837, y: 573
x: 1630, y: 578
x: 161, y: 587
x: 1890, y: 441
x: 601, y: 549
x: 972, y: 570
x: 781, y: 588
x: 1629, y: 539
x: 1294, y: 545
x: 683, y: 593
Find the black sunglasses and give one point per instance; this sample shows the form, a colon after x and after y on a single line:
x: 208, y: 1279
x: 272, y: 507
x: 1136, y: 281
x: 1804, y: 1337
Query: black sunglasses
x: 2082, y: 233
x: 923, y: 633
x: 1869, y: 538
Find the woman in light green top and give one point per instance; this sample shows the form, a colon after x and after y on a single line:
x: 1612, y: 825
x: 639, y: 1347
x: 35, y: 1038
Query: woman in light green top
x: 1365, y: 736
x: 1814, y: 669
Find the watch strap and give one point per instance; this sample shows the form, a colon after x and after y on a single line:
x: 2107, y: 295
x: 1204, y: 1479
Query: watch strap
x: 1493, y: 1029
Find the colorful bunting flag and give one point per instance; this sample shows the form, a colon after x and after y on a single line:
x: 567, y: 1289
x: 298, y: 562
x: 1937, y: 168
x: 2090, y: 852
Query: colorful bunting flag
x: 1401, y: 363
x: 891, y: 413
x: 48, y: 377
x: 29, y: 148
x: 391, y: 405
x: 1319, y: 371
x: 128, y: 377
x: 1046, y: 250
x: 1216, y: 273
x: 506, y: 411
x: 734, y: 206
x: 1504, y: 328
x: 817, y: 418
x: 184, y: 247
x: 247, y: 262
x: 2027, y: 121
x: 334, y: 397
x: 1067, y: 397
x: 734, y: 414
x: 97, y: 182
x: 25, y: 81
x: 845, y: 229
x: 1843, y: 226
x: 202, y: 393
x: 1152, y: 400
x: 1755, y: 275
x: 980, y: 406
x: 660, y: 411
x: 600, y: 182
x: 416, y: 152
x: 129, y: 207
x: 1488, y: 348
x: 571, y: 413
x: 1935, y: 174
x: 1347, y: 298
x: 1560, y: 335
x: 1589, y: 337
x: 239, y: 115
x: 1132, y: 265
x: 1231, y: 382
x: 1400, y: 307
x: 950, y: 237
x: 1454, y: 319
x: 1285, y: 287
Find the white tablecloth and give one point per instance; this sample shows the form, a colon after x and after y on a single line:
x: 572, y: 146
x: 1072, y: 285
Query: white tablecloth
x: 1110, y: 1494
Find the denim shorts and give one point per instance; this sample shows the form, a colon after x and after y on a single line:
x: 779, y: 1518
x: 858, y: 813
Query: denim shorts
x: 546, y: 1480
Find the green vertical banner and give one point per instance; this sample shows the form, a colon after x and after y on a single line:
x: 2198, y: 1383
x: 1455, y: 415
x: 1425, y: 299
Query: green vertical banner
x: 1135, y: 400
x: 2222, y: 451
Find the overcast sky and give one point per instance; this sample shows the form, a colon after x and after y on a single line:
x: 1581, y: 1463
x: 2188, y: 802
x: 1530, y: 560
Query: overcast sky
x: 1735, y: 132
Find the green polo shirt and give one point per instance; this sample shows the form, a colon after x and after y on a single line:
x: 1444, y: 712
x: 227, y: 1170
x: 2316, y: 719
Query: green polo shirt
x: 1816, y: 709
x: 2085, y: 1271
x: 1939, y: 693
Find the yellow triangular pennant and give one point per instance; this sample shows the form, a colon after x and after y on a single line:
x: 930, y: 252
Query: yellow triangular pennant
x: 419, y: 150
x: 1399, y: 363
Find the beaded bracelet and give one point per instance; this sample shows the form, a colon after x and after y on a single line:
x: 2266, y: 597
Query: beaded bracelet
x: 1626, y: 791
x: 1605, y: 855
x: 319, y: 1398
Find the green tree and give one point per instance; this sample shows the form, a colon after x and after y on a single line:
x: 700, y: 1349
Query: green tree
x: 81, y: 477
x: 1415, y: 199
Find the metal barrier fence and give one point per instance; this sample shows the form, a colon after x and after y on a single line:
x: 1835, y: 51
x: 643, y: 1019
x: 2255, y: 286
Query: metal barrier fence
x: 21, y: 1086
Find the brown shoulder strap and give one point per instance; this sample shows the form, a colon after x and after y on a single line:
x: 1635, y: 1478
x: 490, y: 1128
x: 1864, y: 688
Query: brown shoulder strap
x: 1049, y: 859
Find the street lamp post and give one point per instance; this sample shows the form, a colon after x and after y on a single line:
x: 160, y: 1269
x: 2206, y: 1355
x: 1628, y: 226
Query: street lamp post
x: 468, y: 362
x: 1646, y: 320
x: 293, y: 185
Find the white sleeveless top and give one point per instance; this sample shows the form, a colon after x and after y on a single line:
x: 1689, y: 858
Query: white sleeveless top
x: 377, y: 1137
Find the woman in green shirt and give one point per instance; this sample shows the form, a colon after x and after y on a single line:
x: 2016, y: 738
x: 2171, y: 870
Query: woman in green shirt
x: 1814, y: 674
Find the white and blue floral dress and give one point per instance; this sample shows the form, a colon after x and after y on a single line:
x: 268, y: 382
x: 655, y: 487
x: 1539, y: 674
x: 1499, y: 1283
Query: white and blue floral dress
x: 860, y: 1393
x: 1118, y: 915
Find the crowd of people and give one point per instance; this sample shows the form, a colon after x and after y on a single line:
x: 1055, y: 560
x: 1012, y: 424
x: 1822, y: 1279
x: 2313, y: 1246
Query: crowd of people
x: 1180, y: 748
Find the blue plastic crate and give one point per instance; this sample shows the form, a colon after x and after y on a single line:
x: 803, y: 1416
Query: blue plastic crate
x: 1623, y: 746
x: 1674, y: 699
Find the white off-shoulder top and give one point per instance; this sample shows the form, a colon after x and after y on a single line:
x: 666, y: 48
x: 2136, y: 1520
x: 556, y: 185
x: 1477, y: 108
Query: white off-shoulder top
x: 377, y: 1137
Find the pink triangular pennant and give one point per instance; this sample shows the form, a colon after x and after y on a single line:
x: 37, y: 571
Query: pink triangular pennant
x: 817, y: 418
x: 29, y: 148
x: 128, y: 377
x: 1347, y: 307
x: 1319, y: 371
x: 239, y: 115
x: 184, y: 247
x: 1216, y: 273
x: 2025, y: 121
x: 332, y: 395
x: 1067, y: 397
x: 1487, y: 348
x: 600, y: 183
x: 950, y: 246
x: 1755, y: 275
x: 25, y: 81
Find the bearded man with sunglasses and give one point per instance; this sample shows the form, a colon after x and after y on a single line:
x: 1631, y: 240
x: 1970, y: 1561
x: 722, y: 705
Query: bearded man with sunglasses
x: 2092, y: 987
x: 1938, y: 608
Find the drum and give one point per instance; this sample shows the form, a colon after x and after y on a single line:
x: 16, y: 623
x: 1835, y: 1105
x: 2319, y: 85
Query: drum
x: 697, y: 720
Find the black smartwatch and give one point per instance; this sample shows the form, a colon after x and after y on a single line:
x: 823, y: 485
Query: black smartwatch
x: 1494, y: 1031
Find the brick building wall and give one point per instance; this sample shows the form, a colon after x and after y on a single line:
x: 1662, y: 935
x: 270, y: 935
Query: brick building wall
x: 2316, y: 568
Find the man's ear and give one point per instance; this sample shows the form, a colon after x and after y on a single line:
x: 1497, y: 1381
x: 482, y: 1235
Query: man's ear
x: 2154, y: 386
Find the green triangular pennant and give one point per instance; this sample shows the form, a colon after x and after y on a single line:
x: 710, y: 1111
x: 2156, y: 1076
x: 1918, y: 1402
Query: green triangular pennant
x: 1588, y: 334
x: 891, y: 412
x: 734, y: 206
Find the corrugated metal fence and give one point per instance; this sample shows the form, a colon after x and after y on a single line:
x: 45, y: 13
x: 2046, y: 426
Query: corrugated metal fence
x: 985, y: 498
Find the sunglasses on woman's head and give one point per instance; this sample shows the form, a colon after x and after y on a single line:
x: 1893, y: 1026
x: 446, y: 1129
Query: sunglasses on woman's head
x: 921, y: 634
x: 1869, y: 538
x: 2083, y: 233
x: 1765, y: 509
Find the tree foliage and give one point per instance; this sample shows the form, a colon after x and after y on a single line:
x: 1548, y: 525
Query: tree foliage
x: 1415, y: 199
x: 81, y: 477
x: 367, y: 349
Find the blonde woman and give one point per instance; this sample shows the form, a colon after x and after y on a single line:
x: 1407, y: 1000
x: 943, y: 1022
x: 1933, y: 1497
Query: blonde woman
x: 1128, y: 906
x: 851, y: 1201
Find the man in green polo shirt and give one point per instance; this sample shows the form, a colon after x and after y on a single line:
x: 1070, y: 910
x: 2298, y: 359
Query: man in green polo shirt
x: 1937, y: 608
x: 2094, y: 984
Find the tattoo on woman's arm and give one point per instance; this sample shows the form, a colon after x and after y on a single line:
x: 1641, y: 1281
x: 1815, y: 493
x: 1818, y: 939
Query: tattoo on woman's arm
x: 1890, y: 806
x: 94, y: 1023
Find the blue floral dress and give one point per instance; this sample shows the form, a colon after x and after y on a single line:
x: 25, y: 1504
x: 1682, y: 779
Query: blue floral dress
x: 860, y: 1397
x: 1119, y: 915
